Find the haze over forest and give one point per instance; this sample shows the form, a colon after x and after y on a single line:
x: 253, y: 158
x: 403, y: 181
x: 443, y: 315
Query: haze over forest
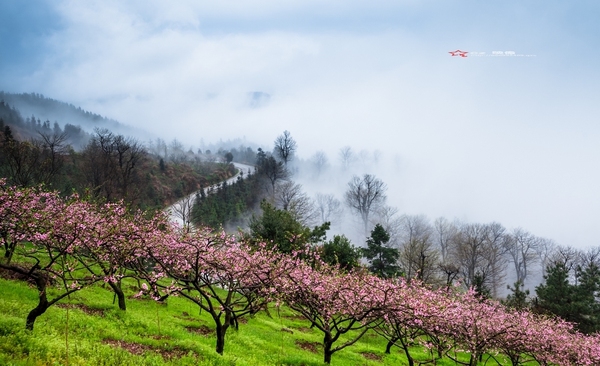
x: 503, y: 138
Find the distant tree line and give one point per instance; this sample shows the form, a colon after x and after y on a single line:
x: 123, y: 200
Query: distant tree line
x: 31, y: 127
x: 109, y: 167
x: 441, y: 253
x: 230, y: 205
x: 36, y: 103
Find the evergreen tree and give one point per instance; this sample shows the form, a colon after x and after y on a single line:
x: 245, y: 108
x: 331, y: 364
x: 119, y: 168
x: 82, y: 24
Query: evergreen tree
x: 382, y: 258
x: 56, y: 129
x: 227, y: 206
x: 279, y: 228
x: 340, y: 251
x: 8, y: 136
x: 518, y: 298
x: 575, y: 303
x: 555, y: 295
x: 481, y: 289
x: 587, y: 293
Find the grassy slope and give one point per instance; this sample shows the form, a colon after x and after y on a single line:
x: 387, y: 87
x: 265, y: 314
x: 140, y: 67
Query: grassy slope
x: 161, y: 188
x: 160, y: 335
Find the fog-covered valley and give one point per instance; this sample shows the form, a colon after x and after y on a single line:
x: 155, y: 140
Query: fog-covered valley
x: 318, y: 185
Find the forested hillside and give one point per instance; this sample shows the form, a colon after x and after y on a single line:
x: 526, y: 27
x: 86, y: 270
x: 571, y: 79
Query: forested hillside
x: 102, y: 164
x: 46, y: 112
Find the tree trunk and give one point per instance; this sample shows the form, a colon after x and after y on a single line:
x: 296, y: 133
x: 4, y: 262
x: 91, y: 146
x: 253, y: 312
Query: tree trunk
x: 221, y: 330
x: 408, y: 356
x: 8, y: 253
x: 327, y: 353
x: 473, y: 360
x: 388, y: 347
x: 33, y: 314
x: 327, y: 344
x: 514, y: 359
x: 120, y: 295
x: 40, y: 282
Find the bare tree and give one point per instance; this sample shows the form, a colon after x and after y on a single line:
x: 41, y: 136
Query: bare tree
x: 158, y: 147
x: 182, y: 210
x: 285, y: 147
x: 418, y: 255
x: 177, y: 152
x: 495, y: 257
x: 445, y: 232
x: 478, y: 250
x: 347, y: 157
x: 450, y: 272
x: 290, y: 197
x: 328, y: 207
x: 445, y: 237
x: 376, y: 157
x: 54, y: 151
x: 522, y: 247
x: 364, y: 158
x: 273, y: 171
x: 319, y: 161
x: 364, y: 196
x: 588, y: 259
x: 566, y: 256
x: 35, y: 161
x: 22, y: 160
x: 111, y: 165
x: 467, y: 250
x: 390, y: 219
x: 129, y: 153
x: 545, y: 251
x: 591, y: 255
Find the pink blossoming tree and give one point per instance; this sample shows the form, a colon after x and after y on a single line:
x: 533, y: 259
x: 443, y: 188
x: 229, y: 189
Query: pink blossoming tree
x: 226, y: 278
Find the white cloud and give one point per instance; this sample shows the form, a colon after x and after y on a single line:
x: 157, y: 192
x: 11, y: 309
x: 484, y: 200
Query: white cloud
x: 505, y: 139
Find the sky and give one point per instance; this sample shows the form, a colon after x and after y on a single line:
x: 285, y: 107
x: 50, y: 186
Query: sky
x: 509, y: 133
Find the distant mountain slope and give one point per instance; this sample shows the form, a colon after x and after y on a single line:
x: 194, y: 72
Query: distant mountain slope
x: 47, y: 109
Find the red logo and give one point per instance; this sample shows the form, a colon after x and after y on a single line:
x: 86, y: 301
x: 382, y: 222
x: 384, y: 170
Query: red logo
x: 458, y: 53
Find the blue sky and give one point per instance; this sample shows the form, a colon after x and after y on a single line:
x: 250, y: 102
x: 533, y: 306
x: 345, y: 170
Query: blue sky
x: 481, y: 138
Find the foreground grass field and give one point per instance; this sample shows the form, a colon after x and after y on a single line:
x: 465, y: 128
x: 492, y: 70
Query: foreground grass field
x: 89, y: 329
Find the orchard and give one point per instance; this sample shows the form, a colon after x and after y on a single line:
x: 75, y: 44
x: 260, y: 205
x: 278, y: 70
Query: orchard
x: 69, y: 243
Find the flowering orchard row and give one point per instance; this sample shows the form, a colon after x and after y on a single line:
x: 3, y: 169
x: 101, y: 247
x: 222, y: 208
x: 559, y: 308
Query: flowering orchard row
x: 68, y: 243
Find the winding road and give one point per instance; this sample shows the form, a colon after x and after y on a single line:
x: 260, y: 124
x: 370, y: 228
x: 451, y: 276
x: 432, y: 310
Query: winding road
x: 180, y: 211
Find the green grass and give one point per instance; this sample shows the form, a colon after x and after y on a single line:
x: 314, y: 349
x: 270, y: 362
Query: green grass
x: 97, y: 329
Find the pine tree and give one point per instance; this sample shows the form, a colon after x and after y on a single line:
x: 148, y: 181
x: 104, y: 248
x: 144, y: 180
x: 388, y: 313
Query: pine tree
x: 482, y: 291
x: 555, y: 295
x: 518, y: 298
x: 8, y: 136
x: 340, y: 251
x: 587, y: 292
x: 382, y: 259
x: 575, y: 303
